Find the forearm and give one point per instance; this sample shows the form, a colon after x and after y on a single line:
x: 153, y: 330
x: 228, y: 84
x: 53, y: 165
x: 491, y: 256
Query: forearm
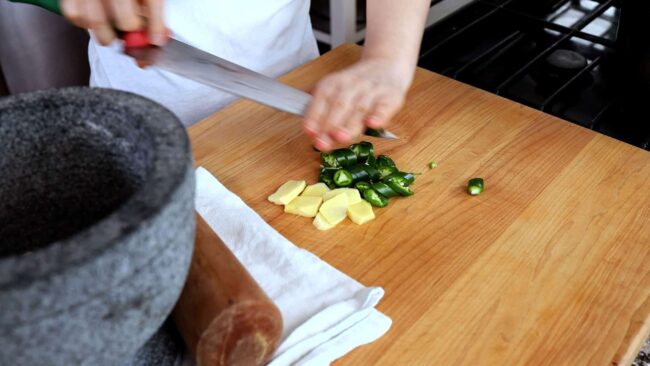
x: 394, y: 31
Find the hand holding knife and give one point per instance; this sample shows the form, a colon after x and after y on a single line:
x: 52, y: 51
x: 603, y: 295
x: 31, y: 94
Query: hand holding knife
x: 192, y: 63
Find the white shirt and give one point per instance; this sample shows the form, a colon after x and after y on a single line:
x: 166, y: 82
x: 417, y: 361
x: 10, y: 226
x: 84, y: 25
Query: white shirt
x: 268, y: 36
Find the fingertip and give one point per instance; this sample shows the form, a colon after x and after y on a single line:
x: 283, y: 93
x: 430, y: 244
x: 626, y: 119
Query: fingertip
x: 323, y: 143
x: 104, y: 34
x: 340, y: 135
x: 158, y: 34
x: 310, y: 132
x: 375, y: 122
x: 72, y: 11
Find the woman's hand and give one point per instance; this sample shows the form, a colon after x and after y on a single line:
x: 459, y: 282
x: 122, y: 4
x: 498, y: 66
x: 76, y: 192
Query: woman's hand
x: 103, y: 17
x: 370, y: 92
x: 367, y: 94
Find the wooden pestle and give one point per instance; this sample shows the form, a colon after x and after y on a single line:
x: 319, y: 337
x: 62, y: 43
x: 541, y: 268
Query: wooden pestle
x: 223, y: 315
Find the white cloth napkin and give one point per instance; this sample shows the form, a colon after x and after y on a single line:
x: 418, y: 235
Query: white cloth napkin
x: 326, y: 313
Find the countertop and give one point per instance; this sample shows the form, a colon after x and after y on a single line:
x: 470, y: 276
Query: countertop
x: 548, y: 266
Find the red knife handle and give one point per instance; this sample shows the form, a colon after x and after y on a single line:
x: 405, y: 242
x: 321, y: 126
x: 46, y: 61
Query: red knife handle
x: 135, y: 39
x: 138, y: 39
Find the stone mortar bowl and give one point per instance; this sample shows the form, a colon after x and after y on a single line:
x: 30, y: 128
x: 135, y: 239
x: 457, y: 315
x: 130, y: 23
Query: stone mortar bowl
x: 96, y: 224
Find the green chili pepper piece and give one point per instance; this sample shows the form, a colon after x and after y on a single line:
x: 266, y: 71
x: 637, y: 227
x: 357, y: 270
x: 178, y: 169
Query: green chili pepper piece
x: 373, y: 173
x: 363, y: 150
x: 326, y: 178
x: 384, y: 189
x: 400, y: 189
x: 362, y: 186
x: 369, y: 146
x: 329, y: 169
x: 358, y: 172
x: 375, y: 198
x: 372, y: 161
x: 475, y: 186
x: 342, y: 178
x: 345, y: 157
x: 408, y: 177
x: 383, y: 160
x: 397, y: 179
x: 385, y: 171
x: 433, y: 165
x: 328, y: 160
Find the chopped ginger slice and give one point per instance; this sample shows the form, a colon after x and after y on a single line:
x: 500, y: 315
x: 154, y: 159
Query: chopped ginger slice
x: 287, y: 192
x: 361, y: 212
x: 306, y: 206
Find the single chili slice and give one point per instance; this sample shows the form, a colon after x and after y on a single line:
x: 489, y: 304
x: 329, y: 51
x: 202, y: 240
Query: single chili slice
x: 373, y: 173
x: 396, y: 179
x: 338, y: 158
x: 326, y: 176
x: 328, y: 160
x: 385, y: 171
x: 400, y: 189
x: 342, y: 178
x: 372, y: 161
x: 329, y: 169
x: 363, y: 150
x: 475, y: 186
x: 408, y: 177
x: 362, y: 186
x: 359, y: 173
x: 375, y: 198
x: 345, y: 157
x: 384, y: 189
x: 383, y: 160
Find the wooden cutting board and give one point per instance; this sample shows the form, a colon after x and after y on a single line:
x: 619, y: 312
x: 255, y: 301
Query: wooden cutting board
x: 550, y: 265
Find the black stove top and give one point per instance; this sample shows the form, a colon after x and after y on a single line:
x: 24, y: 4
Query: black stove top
x: 559, y: 56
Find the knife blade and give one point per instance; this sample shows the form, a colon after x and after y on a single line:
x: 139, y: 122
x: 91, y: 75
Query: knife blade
x: 192, y: 63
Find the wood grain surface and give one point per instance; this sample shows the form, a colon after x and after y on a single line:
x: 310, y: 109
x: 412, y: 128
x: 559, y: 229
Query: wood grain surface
x: 549, y: 266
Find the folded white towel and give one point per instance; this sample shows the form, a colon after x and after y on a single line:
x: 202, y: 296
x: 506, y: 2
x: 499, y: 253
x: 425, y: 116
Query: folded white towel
x: 326, y: 313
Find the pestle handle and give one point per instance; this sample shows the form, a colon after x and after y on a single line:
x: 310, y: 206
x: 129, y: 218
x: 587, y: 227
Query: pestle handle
x: 223, y: 315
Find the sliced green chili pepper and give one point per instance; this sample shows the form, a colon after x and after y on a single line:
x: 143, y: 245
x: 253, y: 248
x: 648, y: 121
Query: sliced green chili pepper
x: 383, y: 160
x: 359, y: 173
x: 363, y: 150
x: 433, y: 164
x: 342, y: 178
x: 384, y: 189
x: 385, y: 165
x: 362, y: 186
x: 345, y: 157
x: 328, y: 160
x: 397, y: 179
x: 326, y: 177
x: 339, y: 158
x: 375, y: 198
x: 402, y: 190
x: 329, y: 169
x: 408, y: 177
x: 475, y: 186
x: 373, y: 173
x: 385, y: 171
x: 372, y: 161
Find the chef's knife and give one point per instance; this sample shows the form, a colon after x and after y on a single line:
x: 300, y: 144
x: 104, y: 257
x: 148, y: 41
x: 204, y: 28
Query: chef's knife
x: 192, y: 63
